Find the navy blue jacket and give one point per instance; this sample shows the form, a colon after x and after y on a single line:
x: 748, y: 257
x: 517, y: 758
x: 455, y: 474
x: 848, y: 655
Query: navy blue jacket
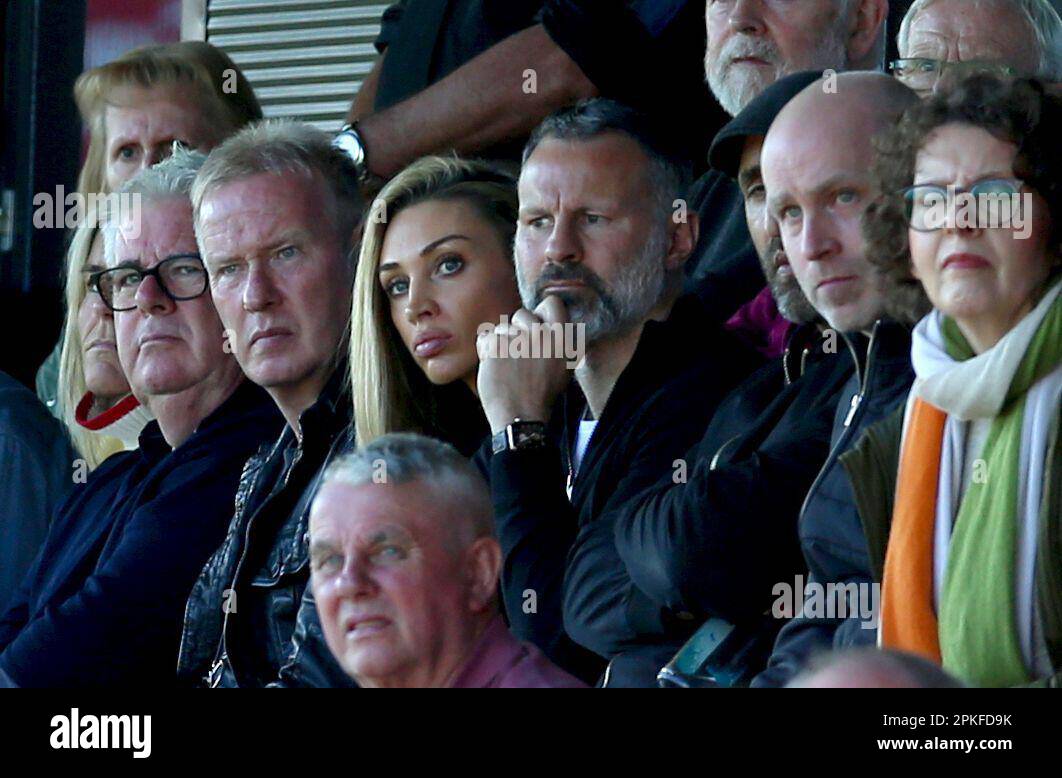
x: 831, y: 534
x: 103, y: 602
x: 34, y: 449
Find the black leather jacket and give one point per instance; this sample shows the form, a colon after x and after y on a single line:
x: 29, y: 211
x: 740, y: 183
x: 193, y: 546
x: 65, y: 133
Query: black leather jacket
x: 250, y: 620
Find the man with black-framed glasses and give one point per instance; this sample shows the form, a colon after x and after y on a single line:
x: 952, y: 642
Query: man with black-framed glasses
x: 941, y: 42
x: 179, y: 276
x: 102, y: 605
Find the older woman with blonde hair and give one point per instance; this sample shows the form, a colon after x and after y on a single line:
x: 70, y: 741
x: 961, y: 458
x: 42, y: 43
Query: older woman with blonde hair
x: 435, y: 265
x: 135, y: 108
x: 965, y: 531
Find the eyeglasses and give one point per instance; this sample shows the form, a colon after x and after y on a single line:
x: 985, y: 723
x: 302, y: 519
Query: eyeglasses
x: 181, y: 277
x: 987, y: 204
x: 922, y: 74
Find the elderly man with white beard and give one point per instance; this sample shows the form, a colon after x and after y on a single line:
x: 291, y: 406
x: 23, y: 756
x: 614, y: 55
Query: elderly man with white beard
x: 751, y: 44
x: 596, y: 247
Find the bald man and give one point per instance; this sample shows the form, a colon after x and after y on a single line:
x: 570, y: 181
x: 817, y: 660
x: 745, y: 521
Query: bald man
x: 819, y: 185
x: 404, y: 567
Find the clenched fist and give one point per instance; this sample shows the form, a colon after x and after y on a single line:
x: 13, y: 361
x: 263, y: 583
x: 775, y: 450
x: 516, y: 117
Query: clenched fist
x: 520, y: 373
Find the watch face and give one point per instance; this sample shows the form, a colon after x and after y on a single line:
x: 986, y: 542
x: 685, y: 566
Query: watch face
x: 349, y: 145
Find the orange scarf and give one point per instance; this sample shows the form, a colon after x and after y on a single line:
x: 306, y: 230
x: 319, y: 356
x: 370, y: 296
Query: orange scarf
x: 908, y: 619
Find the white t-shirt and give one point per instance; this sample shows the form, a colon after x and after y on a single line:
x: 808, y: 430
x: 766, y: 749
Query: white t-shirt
x: 582, y: 441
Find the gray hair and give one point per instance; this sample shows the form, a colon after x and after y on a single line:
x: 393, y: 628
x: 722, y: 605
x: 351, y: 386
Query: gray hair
x: 284, y: 146
x: 405, y: 457
x: 1042, y: 17
x: 169, y: 179
x: 669, y: 175
x: 868, y: 662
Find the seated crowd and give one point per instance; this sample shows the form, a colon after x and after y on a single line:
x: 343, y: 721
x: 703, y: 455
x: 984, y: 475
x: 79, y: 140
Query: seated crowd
x: 591, y: 422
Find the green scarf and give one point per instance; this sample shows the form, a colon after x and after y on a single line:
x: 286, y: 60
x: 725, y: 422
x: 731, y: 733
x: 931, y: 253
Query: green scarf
x: 978, y: 624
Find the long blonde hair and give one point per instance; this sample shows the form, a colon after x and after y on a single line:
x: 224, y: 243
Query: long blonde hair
x: 93, y: 447
x: 192, y: 62
x: 390, y: 392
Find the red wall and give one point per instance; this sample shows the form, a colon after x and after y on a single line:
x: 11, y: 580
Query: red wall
x: 112, y: 27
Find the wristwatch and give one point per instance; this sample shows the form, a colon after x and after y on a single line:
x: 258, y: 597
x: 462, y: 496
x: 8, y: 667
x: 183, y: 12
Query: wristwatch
x: 349, y: 141
x: 520, y: 435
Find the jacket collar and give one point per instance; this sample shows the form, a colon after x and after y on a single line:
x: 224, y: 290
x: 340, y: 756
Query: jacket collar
x: 331, y: 410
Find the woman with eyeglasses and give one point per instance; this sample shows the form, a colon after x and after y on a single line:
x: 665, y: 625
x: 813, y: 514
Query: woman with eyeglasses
x: 965, y: 531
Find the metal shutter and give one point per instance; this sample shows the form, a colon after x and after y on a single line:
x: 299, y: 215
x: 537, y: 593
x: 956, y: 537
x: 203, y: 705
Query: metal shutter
x: 305, y: 58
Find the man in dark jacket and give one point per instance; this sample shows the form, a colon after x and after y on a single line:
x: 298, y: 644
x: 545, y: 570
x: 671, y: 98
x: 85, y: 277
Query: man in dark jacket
x: 750, y: 45
x: 34, y: 449
x: 477, y: 76
x: 696, y: 549
x: 275, y: 211
x: 596, y: 240
x: 834, y: 273
x: 102, y: 604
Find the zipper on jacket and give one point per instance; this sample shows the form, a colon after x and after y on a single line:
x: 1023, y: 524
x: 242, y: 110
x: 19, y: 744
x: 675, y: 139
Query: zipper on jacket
x: 715, y: 459
x: 852, y: 408
x: 216, y: 670
x: 238, y: 511
x: 857, y: 400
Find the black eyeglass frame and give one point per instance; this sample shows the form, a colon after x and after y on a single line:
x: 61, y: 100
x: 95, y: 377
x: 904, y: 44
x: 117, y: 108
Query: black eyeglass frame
x: 905, y: 193
x: 156, y: 271
x: 942, y: 65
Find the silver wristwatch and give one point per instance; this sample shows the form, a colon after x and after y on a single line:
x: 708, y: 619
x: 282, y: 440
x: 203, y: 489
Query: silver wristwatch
x: 349, y: 141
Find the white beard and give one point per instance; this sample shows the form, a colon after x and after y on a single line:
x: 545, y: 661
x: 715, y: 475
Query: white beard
x: 736, y: 87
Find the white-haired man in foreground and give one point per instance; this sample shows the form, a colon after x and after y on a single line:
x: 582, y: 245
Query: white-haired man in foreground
x: 404, y: 568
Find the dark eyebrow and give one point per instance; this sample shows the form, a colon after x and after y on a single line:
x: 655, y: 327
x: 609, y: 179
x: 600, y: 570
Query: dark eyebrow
x: 986, y: 177
x: 436, y: 243
x: 426, y: 250
x: 746, y: 177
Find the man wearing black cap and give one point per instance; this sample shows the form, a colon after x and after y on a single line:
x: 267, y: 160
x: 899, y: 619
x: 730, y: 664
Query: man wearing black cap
x: 750, y: 46
x: 712, y: 539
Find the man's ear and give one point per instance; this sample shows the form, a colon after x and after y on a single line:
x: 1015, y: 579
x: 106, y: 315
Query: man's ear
x: 484, y: 559
x: 683, y: 238
x: 866, y: 34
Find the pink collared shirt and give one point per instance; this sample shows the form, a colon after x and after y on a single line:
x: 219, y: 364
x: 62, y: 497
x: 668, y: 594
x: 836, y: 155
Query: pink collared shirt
x: 500, y: 661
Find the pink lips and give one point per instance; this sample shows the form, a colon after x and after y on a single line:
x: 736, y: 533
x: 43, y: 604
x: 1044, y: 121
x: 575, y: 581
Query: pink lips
x: 749, y: 61
x: 269, y: 336
x: 431, y: 343
x: 835, y: 280
x: 965, y: 261
x: 159, y: 338
x: 364, y: 626
x: 103, y: 345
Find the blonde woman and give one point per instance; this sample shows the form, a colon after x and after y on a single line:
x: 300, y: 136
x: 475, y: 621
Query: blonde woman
x: 100, y: 413
x: 135, y: 107
x: 435, y: 264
